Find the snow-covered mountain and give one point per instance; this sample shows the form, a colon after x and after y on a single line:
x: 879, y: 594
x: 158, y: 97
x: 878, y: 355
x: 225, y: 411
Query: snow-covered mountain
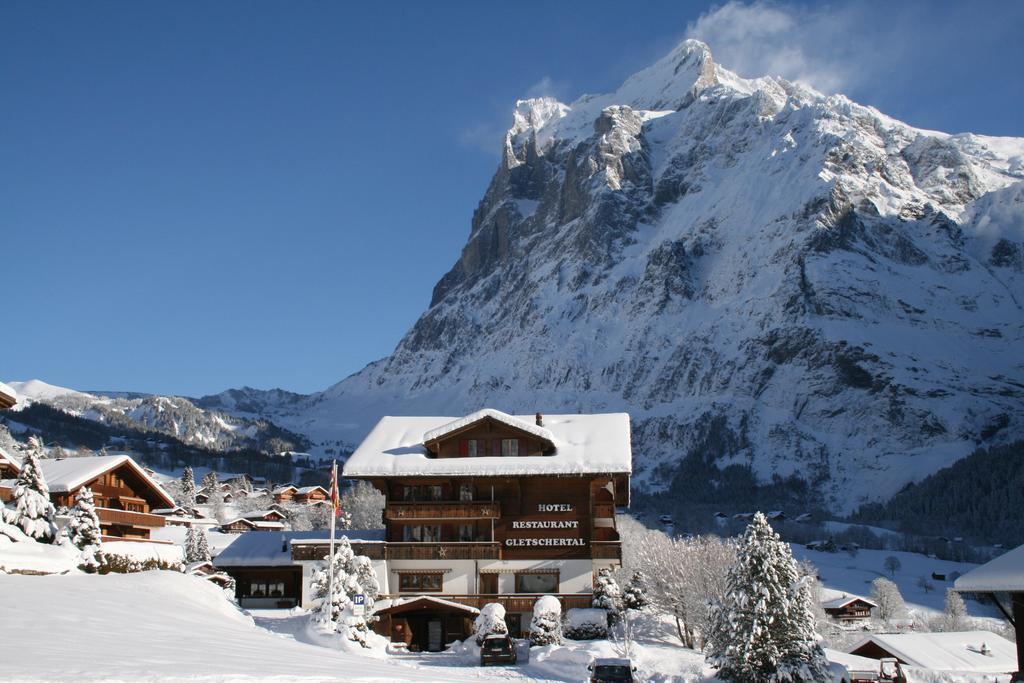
x: 760, y: 274
x: 168, y: 415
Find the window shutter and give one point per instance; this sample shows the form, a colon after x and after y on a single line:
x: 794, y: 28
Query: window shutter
x: 463, y: 447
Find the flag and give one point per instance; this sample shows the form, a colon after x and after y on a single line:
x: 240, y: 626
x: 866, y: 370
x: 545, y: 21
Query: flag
x: 335, y: 497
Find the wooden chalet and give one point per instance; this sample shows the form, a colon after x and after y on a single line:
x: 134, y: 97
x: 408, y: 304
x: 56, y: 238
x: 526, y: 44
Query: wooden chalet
x: 242, y: 524
x: 955, y: 652
x: 849, y: 608
x: 493, y: 507
x: 123, y: 493
x: 284, y: 494
x: 311, y: 494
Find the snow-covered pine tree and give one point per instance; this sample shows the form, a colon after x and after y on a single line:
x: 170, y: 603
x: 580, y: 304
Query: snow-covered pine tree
x: 196, y: 547
x: 328, y: 609
x: 188, y: 489
x: 490, y: 621
x: 546, y: 625
x: 34, y: 512
x: 635, y: 595
x: 608, y: 596
x: 763, y: 630
x: 83, y: 530
x: 367, y: 580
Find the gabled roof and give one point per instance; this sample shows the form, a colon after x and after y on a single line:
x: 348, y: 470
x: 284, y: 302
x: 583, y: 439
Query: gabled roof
x: 584, y: 444
x: 68, y: 474
x: 1004, y: 573
x: 309, y: 489
x: 260, y: 514
x: 843, y: 601
x: 949, y: 651
x: 421, y: 602
x: 521, y: 424
x: 255, y: 523
x: 282, y: 489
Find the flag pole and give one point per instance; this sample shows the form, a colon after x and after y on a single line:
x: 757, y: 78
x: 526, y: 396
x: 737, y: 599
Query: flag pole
x: 330, y: 556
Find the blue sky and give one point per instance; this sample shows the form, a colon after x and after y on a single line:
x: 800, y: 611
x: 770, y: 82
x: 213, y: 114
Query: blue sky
x: 195, y: 196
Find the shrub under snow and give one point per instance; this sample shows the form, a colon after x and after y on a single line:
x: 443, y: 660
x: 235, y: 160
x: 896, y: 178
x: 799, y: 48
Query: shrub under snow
x: 490, y: 621
x: 546, y: 625
x: 586, y: 624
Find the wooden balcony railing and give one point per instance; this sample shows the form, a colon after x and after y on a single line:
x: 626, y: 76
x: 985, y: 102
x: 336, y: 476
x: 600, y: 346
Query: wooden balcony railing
x: 443, y: 510
x: 126, y: 518
x: 512, y: 602
x: 405, y: 551
x: 318, y: 551
x: 606, y: 550
x: 444, y: 551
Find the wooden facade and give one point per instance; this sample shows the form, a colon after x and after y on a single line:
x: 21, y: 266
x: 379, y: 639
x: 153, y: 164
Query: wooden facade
x: 850, y: 609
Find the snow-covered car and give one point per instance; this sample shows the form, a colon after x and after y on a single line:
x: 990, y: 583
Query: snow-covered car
x: 611, y: 670
x: 666, y: 519
x: 497, y: 649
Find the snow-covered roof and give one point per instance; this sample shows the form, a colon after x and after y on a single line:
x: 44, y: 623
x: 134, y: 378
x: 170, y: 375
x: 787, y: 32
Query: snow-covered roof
x: 167, y: 511
x: 7, y: 393
x: 67, y: 474
x: 521, y: 424
x: 310, y: 489
x: 8, y: 459
x: 949, y: 651
x: 382, y: 605
x: 267, y: 549
x: 259, y: 514
x: 1004, y: 573
x: 584, y: 444
x: 282, y: 489
x: 843, y: 601
x: 255, y: 523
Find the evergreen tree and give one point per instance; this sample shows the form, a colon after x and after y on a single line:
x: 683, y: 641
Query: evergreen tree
x: 188, y: 489
x: 635, y: 595
x: 608, y: 596
x: 546, y: 625
x: 83, y: 530
x: 196, y: 547
x: 332, y: 599
x: 763, y: 630
x: 34, y: 512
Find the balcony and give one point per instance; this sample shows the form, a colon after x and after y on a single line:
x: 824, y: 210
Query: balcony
x: 606, y: 550
x: 404, y: 551
x: 512, y: 602
x: 444, y: 551
x: 443, y: 510
x: 126, y: 518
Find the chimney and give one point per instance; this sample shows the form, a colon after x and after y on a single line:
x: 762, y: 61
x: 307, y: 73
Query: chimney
x: 539, y: 419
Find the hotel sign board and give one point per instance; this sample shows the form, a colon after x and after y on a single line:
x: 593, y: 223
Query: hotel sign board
x: 547, y: 524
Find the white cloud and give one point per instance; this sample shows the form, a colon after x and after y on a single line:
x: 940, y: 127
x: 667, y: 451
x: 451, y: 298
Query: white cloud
x: 483, y: 137
x: 811, y: 45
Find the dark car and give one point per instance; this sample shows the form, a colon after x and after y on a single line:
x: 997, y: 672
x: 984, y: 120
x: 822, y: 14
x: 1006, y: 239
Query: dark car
x: 611, y: 671
x: 497, y: 649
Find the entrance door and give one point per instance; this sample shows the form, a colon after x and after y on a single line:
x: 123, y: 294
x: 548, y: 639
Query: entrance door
x: 489, y: 584
x: 434, y: 630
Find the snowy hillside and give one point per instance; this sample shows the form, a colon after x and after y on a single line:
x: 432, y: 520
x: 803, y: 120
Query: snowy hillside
x: 760, y: 274
x: 168, y: 415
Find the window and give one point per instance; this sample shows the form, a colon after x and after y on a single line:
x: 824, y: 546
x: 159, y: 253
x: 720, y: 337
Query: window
x: 537, y: 583
x: 472, y: 446
x: 509, y: 447
x: 265, y: 589
x: 426, y: 583
x: 467, y: 533
x: 465, y: 492
x: 421, y: 533
x: 422, y: 492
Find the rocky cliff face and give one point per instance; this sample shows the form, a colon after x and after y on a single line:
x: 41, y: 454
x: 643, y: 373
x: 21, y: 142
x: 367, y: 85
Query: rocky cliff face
x: 759, y: 273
